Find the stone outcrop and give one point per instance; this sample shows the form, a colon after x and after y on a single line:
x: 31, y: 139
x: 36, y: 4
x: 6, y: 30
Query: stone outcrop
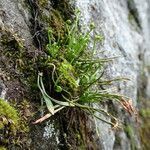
x: 125, y: 26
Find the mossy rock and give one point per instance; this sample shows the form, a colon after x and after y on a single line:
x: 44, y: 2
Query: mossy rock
x: 144, y: 130
x: 11, y: 125
x: 8, y: 115
x: 43, y: 3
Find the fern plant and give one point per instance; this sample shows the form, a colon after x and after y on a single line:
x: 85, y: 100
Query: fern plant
x: 76, y: 74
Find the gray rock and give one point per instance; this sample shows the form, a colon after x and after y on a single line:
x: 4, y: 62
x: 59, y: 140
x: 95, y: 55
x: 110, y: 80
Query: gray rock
x: 125, y: 26
x: 15, y: 16
x: 3, y: 90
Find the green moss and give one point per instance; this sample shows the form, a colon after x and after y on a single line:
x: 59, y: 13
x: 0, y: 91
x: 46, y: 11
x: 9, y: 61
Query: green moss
x: 145, y: 112
x: 145, y: 134
x: 13, y: 123
x: 144, y: 130
x: 11, y: 39
x: 129, y: 131
x: 130, y: 134
x: 117, y: 140
x: 2, y: 148
x: 8, y: 115
x: 43, y: 3
x: 64, y: 7
x: 17, y: 60
x: 57, y: 24
x: 68, y: 74
x: 9, y: 121
x: 59, y: 12
x: 130, y: 17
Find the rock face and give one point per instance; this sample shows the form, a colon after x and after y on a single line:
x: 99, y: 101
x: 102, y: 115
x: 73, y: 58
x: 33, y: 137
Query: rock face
x: 125, y: 26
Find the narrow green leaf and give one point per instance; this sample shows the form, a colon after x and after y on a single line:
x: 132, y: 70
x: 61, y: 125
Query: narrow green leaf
x: 47, y: 100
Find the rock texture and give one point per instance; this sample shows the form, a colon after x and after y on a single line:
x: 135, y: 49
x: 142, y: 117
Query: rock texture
x: 125, y: 26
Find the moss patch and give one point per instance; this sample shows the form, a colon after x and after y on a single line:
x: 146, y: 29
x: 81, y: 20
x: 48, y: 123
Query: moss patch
x: 2, y: 148
x: 129, y: 130
x: 18, y: 64
x: 144, y: 129
x: 43, y: 3
x: 9, y: 115
x: 13, y: 128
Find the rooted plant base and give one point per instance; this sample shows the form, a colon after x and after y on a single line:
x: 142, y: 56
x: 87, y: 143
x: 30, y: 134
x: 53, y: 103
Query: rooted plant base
x: 79, y: 135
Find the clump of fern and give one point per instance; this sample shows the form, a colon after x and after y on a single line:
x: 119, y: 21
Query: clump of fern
x: 75, y: 73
